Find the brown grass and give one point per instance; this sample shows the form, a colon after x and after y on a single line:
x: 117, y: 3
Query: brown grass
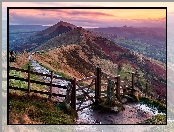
x: 21, y: 60
x: 35, y: 109
x: 21, y: 118
x: 60, y: 58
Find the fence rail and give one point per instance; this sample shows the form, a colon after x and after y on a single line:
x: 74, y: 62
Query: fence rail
x: 36, y: 91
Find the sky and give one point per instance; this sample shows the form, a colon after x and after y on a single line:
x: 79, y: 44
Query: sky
x: 87, y: 18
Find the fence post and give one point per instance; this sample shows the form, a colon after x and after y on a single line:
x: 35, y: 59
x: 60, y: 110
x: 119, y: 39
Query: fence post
x: 133, y: 80
x: 98, y: 84
x: 67, y: 93
x: 73, y: 94
x: 51, y: 84
x: 28, y: 79
x: 118, y: 87
x: 109, y: 90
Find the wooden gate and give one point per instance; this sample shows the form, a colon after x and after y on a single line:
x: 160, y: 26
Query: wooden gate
x: 84, y: 92
x: 83, y: 95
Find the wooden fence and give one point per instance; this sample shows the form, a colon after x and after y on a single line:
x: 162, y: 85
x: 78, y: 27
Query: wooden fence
x: 29, y: 81
x: 71, y: 98
x: 121, y: 85
x: 72, y: 91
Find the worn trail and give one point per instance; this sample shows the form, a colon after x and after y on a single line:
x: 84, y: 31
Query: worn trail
x: 131, y: 115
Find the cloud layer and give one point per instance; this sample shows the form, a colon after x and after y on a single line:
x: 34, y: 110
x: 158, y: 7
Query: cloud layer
x: 89, y: 17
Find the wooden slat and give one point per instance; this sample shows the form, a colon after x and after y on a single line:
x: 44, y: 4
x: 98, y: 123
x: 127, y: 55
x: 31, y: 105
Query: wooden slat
x: 48, y: 84
x: 17, y: 69
x: 32, y: 72
x: 35, y: 91
x: 18, y: 78
x: 80, y: 88
x: 41, y: 74
x: 87, y: 78
x: 59, y: 86
x: 38, y: 82
x: 16, y: 88
x: 104, y: 91
x: 104, y: 84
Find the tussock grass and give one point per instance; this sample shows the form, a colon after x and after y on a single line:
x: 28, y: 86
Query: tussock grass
x: 104, y: 105
x: 34, y: 109
x: 157, y: 119
x: 153, y: 103
x: 58, y: 73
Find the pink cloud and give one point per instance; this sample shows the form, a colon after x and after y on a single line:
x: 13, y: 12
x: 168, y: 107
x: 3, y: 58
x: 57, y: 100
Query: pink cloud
x: 79, y: 18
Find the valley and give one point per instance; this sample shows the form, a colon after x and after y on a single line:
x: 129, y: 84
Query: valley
x: 147, y: 41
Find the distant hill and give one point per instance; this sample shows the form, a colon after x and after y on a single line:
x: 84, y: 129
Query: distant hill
x: 137, y: 46
x: 151, y: 36
x: 26, y: 28
x: 35, y: 39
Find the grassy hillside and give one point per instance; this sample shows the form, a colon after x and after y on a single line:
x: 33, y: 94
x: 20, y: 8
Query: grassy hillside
x: 150, y: 47
x: 34, y: 108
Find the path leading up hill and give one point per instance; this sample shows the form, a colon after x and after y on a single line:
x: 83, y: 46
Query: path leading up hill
x: 131, y: 115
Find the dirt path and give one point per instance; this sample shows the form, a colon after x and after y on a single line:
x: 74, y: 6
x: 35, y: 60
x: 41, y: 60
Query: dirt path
x: 131, y: 115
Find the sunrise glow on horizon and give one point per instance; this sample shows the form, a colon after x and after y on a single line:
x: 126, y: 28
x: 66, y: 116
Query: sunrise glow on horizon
x: 89, y: 17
